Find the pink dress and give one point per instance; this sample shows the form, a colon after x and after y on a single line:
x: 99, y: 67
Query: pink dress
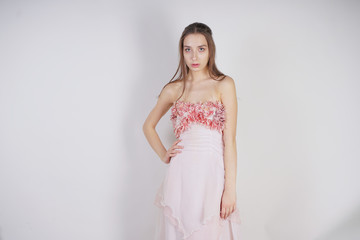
x: 189, y: 197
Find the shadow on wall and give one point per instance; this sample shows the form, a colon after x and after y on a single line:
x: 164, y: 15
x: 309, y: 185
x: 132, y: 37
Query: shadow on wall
x: 349, y: 229
x: 152, y: 70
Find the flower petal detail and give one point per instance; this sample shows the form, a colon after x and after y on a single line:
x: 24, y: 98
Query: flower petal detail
x: 210, y: 114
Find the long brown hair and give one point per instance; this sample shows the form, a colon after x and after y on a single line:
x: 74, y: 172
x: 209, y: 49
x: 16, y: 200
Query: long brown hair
x: 214, y: 73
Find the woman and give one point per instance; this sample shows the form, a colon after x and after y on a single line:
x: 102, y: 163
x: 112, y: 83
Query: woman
x: 197, y: 197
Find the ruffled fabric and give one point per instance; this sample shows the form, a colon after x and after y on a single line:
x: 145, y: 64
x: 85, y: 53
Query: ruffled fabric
x: 209, y: 113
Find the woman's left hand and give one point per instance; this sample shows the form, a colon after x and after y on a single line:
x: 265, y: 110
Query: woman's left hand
x: 228, y: 203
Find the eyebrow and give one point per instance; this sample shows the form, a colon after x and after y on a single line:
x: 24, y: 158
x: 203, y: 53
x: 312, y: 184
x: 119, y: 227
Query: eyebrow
x: 204, y: 45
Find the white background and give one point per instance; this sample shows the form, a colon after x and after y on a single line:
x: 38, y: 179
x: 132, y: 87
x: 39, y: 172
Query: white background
x: 78, y: 79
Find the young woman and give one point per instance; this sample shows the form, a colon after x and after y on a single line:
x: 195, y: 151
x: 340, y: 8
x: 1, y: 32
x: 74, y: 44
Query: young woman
x: 197, y: 198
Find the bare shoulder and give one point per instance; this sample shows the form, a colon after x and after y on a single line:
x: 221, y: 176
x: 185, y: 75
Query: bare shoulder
x: 226, y: 86
x: 177, y: 84
x: 170, y: 92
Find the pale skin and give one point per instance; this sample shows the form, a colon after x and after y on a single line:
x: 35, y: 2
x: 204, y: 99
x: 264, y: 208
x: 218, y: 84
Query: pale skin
x: 199, y: 86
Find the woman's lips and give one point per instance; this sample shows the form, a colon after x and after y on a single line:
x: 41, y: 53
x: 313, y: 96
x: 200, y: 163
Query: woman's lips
x: 195, y: 65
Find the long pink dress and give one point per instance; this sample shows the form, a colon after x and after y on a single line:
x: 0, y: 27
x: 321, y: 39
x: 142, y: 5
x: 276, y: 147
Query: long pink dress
x: 189, y: 197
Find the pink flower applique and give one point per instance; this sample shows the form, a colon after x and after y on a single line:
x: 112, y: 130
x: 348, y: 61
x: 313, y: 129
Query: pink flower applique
x: 210, y: 114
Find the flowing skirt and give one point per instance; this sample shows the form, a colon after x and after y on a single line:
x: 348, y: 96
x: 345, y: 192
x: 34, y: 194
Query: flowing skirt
x: 189, y: 197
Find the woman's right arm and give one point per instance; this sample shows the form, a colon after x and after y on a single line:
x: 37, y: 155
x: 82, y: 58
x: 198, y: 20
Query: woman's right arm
x: 163, y: 104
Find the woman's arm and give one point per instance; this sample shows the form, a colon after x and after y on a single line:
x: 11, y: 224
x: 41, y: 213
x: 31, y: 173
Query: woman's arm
x: 229, y: 99
x: 228, y: 92
x: 163, y: 104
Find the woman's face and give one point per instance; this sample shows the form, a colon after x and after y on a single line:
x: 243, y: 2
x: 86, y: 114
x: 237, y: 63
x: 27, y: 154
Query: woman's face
x: 196, y: 51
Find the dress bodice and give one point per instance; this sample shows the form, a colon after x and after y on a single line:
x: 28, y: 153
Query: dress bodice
x: 209, y: 113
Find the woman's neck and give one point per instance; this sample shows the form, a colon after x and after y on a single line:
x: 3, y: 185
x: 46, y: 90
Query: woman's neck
x: 196, y: 76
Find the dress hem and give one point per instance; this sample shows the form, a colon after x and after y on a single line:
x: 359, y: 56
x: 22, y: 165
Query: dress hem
x: 234, y: 217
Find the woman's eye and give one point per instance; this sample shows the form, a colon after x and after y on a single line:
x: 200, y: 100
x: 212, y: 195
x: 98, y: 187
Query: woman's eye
x: 203, y: 49
x: 186, y: 49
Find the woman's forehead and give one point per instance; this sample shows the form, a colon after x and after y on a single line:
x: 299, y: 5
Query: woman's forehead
x: 194, y: 40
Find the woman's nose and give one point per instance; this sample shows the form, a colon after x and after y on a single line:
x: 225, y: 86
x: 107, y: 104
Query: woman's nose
x: 194, y: 56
